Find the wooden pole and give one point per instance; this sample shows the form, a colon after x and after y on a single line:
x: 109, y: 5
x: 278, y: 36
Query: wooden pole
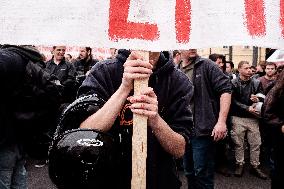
x: 139, y: 138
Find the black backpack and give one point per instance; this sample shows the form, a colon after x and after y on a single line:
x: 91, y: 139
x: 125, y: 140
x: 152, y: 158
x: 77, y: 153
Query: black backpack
x: 35, y: 109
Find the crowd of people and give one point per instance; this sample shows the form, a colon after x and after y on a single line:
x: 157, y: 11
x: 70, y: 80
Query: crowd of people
x: 197, y: 109
x: 247, y: 121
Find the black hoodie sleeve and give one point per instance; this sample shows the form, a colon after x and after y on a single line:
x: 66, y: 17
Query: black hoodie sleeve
x: 101, y: 80
x: 179, y: 115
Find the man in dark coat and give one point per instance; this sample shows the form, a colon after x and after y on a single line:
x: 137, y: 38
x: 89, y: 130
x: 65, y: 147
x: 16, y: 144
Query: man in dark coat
x: 64, y: 71
x: 26, y: 92
x: 210, y: 106
x: 165, y: 102
x: 246, y: 96
x: 84, y: 63
x: 273, y: 114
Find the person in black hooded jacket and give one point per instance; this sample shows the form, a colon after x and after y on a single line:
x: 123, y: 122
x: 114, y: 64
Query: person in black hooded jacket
x: 84, y: 63
x: 165, y: 102
x: 24, y: 84
x: 273, y: 115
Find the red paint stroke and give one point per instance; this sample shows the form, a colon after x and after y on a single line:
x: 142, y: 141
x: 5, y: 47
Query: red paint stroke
x: 120, y: 28
x: 255, y: 17
x: 282, y: 17
x: 183, y: 20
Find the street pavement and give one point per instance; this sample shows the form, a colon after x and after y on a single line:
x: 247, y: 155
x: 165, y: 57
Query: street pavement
x: 38, y: 179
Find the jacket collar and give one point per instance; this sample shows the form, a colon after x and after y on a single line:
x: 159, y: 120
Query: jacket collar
x: 243, y: 81
x: 197, y: 61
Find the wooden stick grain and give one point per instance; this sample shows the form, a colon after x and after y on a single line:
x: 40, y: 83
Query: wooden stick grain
x: 139, y: 139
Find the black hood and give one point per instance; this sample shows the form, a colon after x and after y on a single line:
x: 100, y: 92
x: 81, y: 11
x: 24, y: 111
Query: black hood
x: 26, y: 51
x: 165, y: 62
x: 122, y: 55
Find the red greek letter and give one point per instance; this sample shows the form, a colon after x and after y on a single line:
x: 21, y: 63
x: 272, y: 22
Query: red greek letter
x: 183, y: 20
x: 255, y: 18
x: 120, y: 28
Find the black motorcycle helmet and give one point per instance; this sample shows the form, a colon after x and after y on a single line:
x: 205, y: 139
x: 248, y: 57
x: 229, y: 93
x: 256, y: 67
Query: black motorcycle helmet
x: 80, y: 158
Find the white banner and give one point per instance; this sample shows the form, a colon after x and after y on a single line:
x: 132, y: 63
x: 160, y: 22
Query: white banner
x: 143, y: 24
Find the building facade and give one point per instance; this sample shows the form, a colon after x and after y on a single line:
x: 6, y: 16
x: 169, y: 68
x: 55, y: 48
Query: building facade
x: 238, y: 53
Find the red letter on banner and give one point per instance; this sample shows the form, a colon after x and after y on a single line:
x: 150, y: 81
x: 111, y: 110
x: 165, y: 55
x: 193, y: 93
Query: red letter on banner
x: 183, y: 16
x: 120, y: 28
x: 255, y: 17
x: 282, y: 17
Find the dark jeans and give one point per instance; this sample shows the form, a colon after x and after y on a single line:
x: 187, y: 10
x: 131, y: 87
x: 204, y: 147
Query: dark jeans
x: 12, y: 171
x: 199, y: 163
